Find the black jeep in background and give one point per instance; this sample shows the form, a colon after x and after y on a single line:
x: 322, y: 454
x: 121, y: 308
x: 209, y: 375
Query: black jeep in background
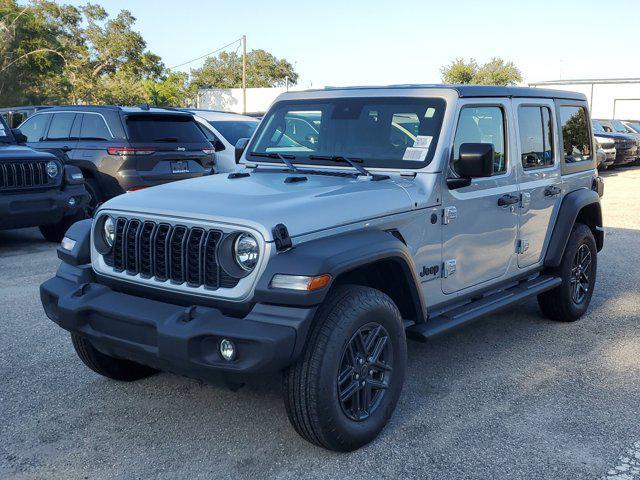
x: 121, y: 149
x: 37, y: 189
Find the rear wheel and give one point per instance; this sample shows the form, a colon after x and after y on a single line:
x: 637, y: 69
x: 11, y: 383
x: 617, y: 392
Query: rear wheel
x: 106, y: 365
x: 578, y: 268
x: 344, y: 389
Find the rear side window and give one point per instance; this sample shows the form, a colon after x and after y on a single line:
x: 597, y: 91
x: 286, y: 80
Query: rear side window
x: 94, y: 128
x: 482, y: 125
x: 164, y: 128
x: 536, y: 137
x: 60, y: 128
x: 575, y: 134
x: 33, y: 127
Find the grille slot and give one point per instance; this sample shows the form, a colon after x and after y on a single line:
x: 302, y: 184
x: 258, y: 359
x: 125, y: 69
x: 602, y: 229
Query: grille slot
x: 164, y: 252
x: 15, y: 175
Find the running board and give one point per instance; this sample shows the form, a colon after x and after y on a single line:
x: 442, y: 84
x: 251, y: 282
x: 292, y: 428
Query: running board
x: 470, y: 312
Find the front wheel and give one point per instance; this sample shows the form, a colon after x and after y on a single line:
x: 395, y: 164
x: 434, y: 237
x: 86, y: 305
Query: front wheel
x: 578, y: 268
x: 345, y: 387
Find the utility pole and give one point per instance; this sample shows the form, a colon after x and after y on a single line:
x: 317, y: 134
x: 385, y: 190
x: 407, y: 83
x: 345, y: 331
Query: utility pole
x: 244, y: 74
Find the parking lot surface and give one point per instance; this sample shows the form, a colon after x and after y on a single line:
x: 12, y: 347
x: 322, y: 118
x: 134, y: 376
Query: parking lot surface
x: 512, y: 396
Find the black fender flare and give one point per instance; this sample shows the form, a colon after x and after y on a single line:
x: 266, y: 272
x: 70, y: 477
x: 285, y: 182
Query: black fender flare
x: 572, y: 204
x: 336, y: 255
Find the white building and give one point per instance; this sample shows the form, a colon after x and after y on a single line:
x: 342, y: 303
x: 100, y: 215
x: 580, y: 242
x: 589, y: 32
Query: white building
x: 608, y: 98
x: 231, y: 100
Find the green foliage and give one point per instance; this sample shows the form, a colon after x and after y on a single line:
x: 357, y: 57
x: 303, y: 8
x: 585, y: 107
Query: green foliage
x: 225, y: 71
x: 495, y: 72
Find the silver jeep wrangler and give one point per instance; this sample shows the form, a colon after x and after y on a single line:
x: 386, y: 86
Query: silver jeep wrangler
x: 357, y: 218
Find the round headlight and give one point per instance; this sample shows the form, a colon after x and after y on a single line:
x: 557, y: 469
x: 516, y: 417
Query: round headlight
x: 246, y: 251
x: 109, y: 231
x: 52, y: 169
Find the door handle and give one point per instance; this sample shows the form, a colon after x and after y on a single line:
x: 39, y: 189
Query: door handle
x: 508, y: 199
x: 552, y: 191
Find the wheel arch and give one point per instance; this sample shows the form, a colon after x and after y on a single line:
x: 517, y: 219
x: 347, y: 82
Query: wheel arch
x: 580, y: 206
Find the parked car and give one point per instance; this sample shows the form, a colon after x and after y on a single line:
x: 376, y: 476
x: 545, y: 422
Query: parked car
x: 608, y: 147
x: 320, y: 258
x: 37, y: 190
x: 14, y: 116
x: 224, y: 130
x: 632, y: 125
x: 626, y: 145
x: 122, y: 149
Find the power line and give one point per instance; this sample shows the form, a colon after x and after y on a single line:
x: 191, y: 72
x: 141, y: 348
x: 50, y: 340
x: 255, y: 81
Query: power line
x: 206, y: 55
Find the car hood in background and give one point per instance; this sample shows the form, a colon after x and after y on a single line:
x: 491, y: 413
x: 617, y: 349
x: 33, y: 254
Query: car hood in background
x: 263, y: 199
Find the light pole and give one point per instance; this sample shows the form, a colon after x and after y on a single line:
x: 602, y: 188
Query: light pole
x: 244, y: 74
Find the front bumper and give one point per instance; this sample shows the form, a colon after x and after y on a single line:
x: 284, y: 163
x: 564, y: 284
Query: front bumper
x: 171, y: 337
x: 26, y: 208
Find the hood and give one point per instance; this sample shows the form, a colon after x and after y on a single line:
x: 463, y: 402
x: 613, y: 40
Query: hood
x: 614, y: 135
x: 263, y: 199
x: 19, y: 152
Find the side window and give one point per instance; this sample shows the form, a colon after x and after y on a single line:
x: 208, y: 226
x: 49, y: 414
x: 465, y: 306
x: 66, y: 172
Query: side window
x: 536, y: 137
x: 33, y: 127
x: 94, y: 128
x: 60, y: 128
x: 481, y: 125
x: 17, y: 118
x: 575, y: 134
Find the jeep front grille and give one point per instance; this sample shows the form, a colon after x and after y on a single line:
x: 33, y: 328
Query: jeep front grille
x: 180, y: 254
x: 15, y: 175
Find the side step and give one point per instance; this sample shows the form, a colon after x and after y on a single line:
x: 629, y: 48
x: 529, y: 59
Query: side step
x: 465, y: 314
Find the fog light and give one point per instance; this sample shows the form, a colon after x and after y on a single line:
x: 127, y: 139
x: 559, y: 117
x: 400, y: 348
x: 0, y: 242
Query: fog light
x: 227, y: 349
x: 72, y: 201
x: 68, y: 243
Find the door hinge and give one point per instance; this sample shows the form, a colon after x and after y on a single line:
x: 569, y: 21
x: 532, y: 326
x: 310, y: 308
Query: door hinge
x: 525, y: 200
x: 522, y: 246
x: 449, y: 214
x: 449, y: 268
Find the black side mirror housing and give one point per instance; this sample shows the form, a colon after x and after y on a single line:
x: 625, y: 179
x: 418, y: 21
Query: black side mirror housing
x: 476, y: 160
x: 241, y: 144
x: 18, y: 135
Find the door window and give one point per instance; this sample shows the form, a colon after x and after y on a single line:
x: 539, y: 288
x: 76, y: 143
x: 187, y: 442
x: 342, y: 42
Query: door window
x: 33, y: 127
x: 575, y: 134
x: 94, y: 128
x: 60, y: 128
x: 536, y: 137
x: 482, y: 125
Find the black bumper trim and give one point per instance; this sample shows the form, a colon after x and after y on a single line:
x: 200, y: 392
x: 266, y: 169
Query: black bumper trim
x: 171, y: 337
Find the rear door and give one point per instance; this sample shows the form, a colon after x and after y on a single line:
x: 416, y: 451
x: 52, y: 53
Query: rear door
x: 538, y: 162
x: 170, y: 146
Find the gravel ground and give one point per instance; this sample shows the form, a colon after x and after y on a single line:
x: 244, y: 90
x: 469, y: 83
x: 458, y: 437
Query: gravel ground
x: 514, y: 396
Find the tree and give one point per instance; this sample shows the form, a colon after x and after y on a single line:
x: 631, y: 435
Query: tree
x: 225, y: 71
x: 495, y: 72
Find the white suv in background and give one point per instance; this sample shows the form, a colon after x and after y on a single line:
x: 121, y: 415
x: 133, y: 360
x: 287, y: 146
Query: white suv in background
x: 226, y: 129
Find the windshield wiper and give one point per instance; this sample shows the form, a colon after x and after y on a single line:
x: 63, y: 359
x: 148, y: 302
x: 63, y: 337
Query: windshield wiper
x: 166, y: 139
x: 285, y: 159
x: 351, y: 161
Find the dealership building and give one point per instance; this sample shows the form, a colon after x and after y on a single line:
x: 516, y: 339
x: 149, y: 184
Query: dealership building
x: 608, y: 98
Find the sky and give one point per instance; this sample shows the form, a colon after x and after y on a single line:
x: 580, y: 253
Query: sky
x: 354, y: 42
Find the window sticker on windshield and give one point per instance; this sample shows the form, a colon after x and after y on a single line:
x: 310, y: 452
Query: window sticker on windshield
x: 415, y: 154
x: 422, y: 141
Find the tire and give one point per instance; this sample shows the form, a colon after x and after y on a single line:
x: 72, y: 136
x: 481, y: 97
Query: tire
x: 107, y: 366
x: 561, y: 303
x: 312, y: 387
x: 95, y: 195
x: 55, y: 232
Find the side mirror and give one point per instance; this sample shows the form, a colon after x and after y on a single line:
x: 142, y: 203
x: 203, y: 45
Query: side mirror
x: 241, y: 144
x: 18, y: 135
x: 476, y: 160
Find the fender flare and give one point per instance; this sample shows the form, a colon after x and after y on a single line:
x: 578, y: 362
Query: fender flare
x: 336, y: 255
x: 572, y: 204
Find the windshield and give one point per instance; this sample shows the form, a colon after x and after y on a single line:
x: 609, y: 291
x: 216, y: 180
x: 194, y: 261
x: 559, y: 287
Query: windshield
x: 634, y: 126
x: 382, y: 132
x: 618, y: 126
x: 164, y: 128
x: 597, y: 126
x: 234, y: 131
x: 5, y: 135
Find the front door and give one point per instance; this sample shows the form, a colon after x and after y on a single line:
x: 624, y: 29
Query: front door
x: 480, y: 220
x: 540, y: 179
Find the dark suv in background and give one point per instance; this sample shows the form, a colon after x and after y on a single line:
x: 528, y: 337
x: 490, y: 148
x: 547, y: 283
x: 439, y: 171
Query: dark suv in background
x: 37, y: 189
x: 626, y: 145
x: 121, y: 149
